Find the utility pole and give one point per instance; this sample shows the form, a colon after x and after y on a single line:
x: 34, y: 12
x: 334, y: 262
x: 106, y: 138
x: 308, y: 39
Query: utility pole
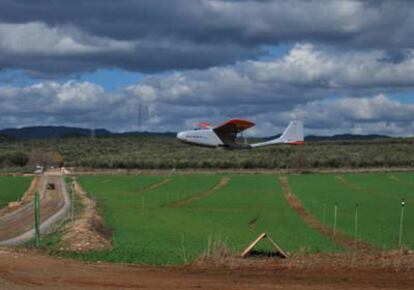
x: 139, y: 116
x: 93, y: 133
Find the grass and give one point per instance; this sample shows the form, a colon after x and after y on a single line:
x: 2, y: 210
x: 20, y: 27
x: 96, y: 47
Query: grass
x: 12, y: 188
x: 377, y: 197
x: 145, y: 230
x: 259, y: 198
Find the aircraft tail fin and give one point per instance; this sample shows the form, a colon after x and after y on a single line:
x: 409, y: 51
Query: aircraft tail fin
x: 293, y: 134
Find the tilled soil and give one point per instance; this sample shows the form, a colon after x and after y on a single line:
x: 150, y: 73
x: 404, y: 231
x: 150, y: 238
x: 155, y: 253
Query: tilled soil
x: 29, y: 270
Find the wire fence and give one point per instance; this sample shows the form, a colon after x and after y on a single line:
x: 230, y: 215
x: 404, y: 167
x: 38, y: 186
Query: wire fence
x: 384, y: 227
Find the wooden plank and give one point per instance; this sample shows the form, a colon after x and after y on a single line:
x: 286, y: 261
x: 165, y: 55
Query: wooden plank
x: 278, y: 249
x: 252, y: 245
x: 274, y: 245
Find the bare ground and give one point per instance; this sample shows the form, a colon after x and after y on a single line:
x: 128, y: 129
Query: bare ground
x: 29, y: 270
x: 87, y: 231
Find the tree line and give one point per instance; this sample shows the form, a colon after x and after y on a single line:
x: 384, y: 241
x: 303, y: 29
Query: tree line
x: 168, y: 153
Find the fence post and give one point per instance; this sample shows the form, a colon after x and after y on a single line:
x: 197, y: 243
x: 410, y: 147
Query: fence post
x: 356, y: 225
x: 335, y: 217
x: 72, y: 208
x: 401, y: 223
x: 37, y: 218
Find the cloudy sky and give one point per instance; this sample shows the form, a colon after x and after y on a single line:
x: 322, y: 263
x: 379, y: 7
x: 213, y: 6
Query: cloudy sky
x: 340, y: 66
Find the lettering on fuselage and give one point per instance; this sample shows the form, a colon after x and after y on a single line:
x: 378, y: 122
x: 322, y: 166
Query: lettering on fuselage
x: 201, y: 137
x: 196, y: 137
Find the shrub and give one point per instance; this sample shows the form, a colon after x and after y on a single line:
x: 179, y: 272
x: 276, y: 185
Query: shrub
x: 14, y: 159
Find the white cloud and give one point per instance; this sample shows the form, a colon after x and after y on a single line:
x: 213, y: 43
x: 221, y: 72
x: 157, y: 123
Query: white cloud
x: 37, y: 38
x: 82, y: 93
x: 307, y: 65
x: 279, y: 18
x: 306, y: 73
x: 159, y: 35
x: 49, y: 102
x: 85, y: 104
x: 378, y: 114
x: 300, y: 85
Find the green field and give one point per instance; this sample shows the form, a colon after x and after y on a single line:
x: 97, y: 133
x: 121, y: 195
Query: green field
x: 165, y: 224
x: 12, y: 188
x: 378, y: 196
x: 147, y: 230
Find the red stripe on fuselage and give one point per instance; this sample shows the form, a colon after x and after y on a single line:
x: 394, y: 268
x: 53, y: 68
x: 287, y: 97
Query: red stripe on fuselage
x: 297, y: 143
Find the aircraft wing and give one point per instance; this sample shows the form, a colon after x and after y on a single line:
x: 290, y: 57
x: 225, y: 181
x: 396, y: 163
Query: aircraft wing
x: 227, y: 131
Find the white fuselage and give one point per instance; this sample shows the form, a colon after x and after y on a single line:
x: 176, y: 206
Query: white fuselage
x: 203, y: 137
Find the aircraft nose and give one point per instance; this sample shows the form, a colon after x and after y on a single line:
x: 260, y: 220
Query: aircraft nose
x: 180, y: 135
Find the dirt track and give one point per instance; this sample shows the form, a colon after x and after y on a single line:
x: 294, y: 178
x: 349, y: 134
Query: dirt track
x: 17, y: 226
x: 337, y: 237
x: 36, y: 271
x: 222, y: 183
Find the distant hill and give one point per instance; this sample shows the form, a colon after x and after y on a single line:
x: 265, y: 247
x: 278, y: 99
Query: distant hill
x: 45, y: 132
x: 345, y: 137
x: 146, y: 133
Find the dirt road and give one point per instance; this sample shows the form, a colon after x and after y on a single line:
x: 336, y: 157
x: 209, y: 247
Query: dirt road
x: 17, y: 227
x: 36, y: 271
